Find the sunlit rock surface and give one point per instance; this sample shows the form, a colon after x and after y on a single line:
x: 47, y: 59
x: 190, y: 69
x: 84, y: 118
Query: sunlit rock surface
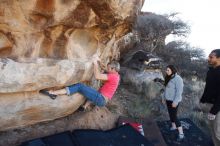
x: 49, y: 44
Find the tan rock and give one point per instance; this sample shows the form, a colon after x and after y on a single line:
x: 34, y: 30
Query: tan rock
x: 25, y: 108
x: 37, y: 74
x: 5, y: 45
x: 49, y: 44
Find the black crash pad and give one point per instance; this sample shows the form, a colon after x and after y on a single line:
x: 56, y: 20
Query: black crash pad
x: 193, y: 135
x: 60, y: 139
x: 150, y: 129
x: 122, y: 136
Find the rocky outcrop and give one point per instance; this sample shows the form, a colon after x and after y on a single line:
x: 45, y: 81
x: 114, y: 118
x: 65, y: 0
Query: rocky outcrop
x: 47, y: 44
x: 140, y: 68
x: 141, y: 60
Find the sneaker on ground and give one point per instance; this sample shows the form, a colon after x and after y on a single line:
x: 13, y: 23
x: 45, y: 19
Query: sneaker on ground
x: 180, y: 137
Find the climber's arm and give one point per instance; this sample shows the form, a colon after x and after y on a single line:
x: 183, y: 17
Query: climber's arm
x: 98, y: 75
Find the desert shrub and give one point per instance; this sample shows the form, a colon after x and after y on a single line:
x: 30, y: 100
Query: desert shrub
x: 189, y: 60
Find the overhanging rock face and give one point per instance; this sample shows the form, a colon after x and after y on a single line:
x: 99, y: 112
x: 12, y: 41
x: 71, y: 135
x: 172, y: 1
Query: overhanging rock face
x: 47, y: 44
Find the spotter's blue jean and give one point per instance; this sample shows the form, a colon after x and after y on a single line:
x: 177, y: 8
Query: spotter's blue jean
x: 90, y: 93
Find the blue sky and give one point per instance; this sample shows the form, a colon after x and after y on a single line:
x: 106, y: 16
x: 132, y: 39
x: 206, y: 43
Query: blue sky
x: 202, y: 15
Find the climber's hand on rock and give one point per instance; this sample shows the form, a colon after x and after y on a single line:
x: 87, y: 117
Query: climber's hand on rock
x: 95, y: 58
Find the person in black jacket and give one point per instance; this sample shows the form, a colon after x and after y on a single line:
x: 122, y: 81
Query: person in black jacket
x: 211, y: 94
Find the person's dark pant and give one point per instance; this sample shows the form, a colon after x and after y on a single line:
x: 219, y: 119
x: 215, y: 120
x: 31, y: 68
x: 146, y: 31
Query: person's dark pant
x: 173, y: 113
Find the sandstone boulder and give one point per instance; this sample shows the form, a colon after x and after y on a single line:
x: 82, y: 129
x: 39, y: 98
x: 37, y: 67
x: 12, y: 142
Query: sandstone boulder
x: 47, y: 44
